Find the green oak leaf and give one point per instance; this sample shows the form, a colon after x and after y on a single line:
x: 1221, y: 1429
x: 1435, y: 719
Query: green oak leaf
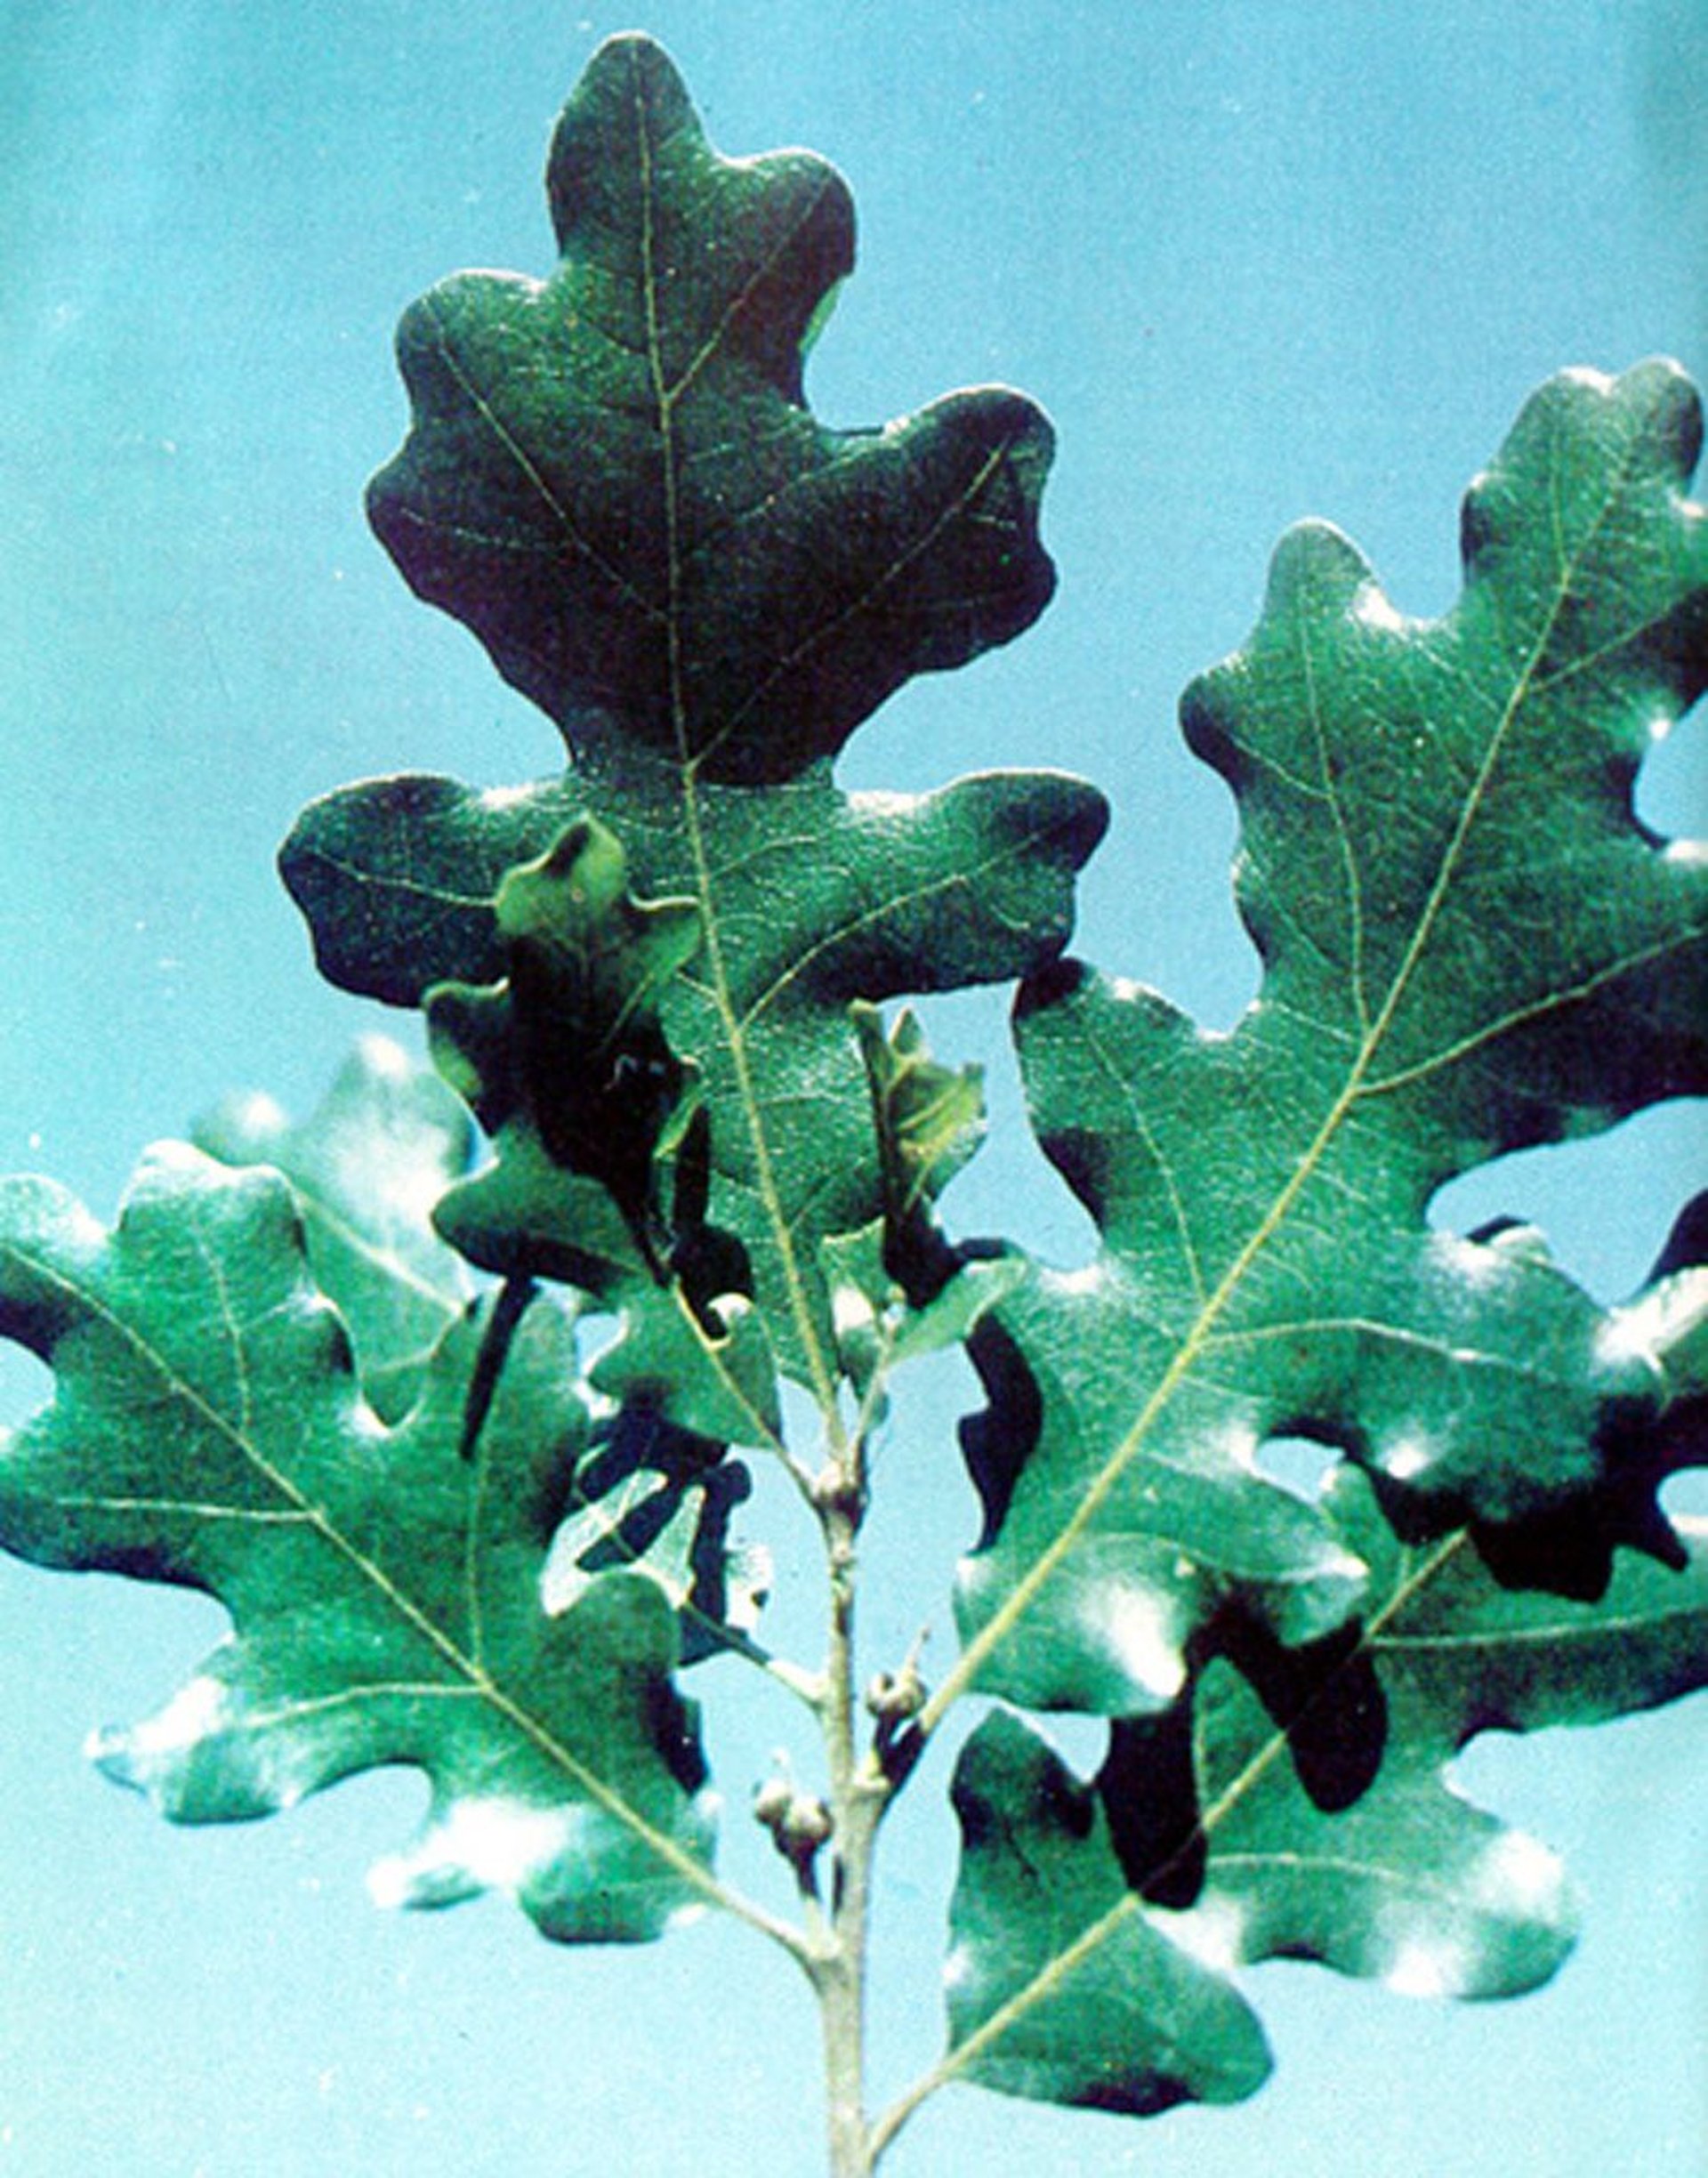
x: 811, y: 898
x: 1299, y: 1807
x: 1060, y: 1987
x: 567, y: 1066
x: 710, y: 1370
x: 899, y: 1288
x: 570, y: 1046
x: 385, y: 1590
x: 611, y: 476
x: 1469, y: 945
x: 368, y: 1167
x: 929, y: 1121
x: 930, y: 1117
x: 704, y: 1365
x: 1115, y: 1559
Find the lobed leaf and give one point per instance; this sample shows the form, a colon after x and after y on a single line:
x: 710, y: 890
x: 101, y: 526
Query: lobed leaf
x: 568, y: 1065
x: 661, y: 1500
x: 611, y: 476
x: 1059, y: 1989
x: 385, y: 1591
x: 1299, y: 1805
x: 1469, y: 945
x: 816, y: 898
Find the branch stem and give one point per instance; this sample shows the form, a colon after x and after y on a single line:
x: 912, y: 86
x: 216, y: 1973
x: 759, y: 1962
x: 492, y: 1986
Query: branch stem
x: 859, y: 1795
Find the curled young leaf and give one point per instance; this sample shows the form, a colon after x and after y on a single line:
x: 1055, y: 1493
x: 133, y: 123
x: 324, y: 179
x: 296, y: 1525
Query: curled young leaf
x: 570, y: 1047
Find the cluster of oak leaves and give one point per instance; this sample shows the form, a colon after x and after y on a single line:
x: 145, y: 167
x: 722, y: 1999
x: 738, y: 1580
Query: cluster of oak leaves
x: 445, y: 1540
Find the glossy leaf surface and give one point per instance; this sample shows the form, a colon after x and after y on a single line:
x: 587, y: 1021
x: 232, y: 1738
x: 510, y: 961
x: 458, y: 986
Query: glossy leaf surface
x: 570, y: 1046
x: 611, y: 476
x: 567, y: 1063
x: 654, y: 981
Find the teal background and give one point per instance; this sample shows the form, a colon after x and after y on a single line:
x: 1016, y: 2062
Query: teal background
x: 1258, y: 261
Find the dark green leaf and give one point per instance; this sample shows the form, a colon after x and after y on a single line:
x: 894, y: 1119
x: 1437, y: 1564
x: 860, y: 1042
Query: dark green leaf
x: 570, y: 1046
x: 612, y: 478
x: 1469, y: 945
x: 567, y: 1063
x: 1334, y: 1831
x: 930, y: 1121
x: 816, y: 898
x: 385, y: 1591
x: 877, y: 1327
x: 1306, y: 1811
x: 930, y: 1118
x: 659, y: 1499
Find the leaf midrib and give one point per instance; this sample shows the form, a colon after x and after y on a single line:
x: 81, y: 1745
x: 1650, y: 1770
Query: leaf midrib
x: 1356, y: 1087
x: 664, y: 396
x: 1003, y: 1622
x: 477, y: 1681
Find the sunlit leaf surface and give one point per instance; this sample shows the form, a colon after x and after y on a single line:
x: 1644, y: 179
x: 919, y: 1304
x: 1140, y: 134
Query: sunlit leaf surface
x: 385, y: 1590
x: 1469, y: 945
x: 1300, y: 1808
x: 368, y: 1167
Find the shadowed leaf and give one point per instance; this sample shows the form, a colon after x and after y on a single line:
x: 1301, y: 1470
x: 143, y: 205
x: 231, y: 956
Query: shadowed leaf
x: 570, y: 1046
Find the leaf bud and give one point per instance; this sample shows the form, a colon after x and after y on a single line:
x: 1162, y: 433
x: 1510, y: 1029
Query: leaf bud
x: 805, y: 1827
x: 771, y: 1804
x: 894, y: 1697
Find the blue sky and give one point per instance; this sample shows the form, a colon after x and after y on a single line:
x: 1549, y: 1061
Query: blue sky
x: 1259, y: 262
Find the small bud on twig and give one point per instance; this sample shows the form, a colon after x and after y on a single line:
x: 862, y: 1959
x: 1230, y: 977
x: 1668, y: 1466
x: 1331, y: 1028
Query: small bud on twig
x: 894, y: 1697
x: 799, y: 1822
